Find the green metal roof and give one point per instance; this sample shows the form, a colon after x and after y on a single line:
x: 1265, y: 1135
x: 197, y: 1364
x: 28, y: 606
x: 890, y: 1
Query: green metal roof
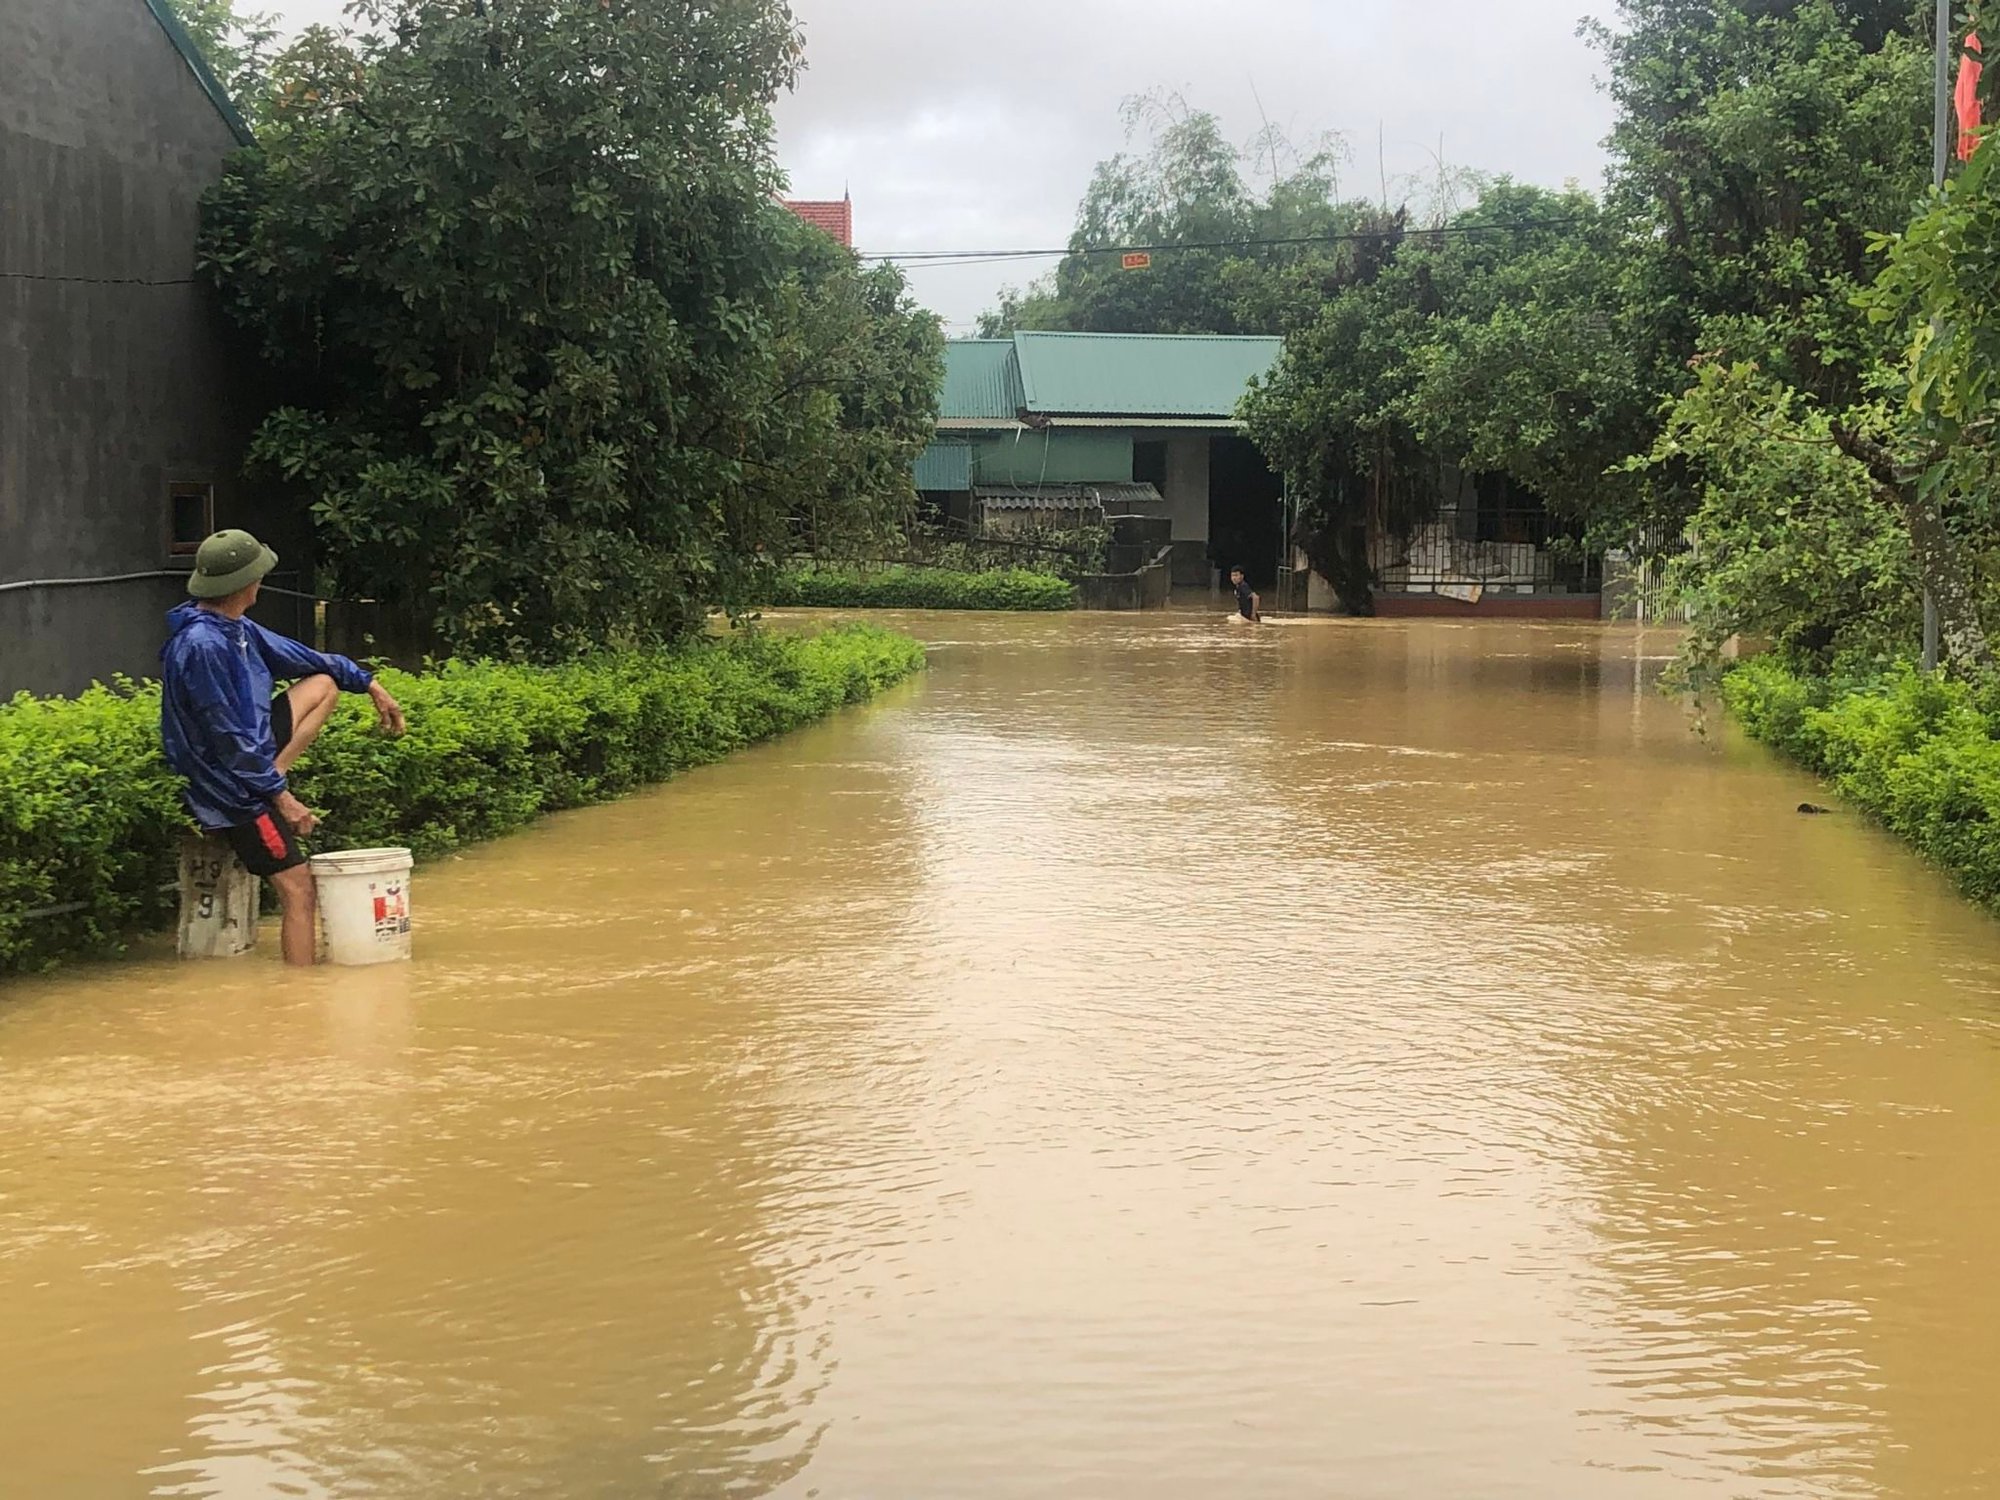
x: 163, y: 12
x: 1195, y: 377
x: 981, y: 381
x: 1129, y: 374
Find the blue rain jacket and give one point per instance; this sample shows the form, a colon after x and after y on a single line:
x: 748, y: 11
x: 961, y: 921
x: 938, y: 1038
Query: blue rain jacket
x: 217, y: 676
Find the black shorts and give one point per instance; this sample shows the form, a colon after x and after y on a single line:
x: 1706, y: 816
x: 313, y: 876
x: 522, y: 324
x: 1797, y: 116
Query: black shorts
x: 281, y: 720
x: 266, y: 845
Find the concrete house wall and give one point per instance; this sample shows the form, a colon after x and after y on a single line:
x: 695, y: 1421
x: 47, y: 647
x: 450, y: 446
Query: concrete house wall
x: 1054, y: 457
x: 117, y: 378
x: 1188, y: 503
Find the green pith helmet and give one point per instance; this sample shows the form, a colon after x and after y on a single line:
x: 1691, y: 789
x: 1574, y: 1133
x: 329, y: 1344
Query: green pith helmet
x: 228, y: 561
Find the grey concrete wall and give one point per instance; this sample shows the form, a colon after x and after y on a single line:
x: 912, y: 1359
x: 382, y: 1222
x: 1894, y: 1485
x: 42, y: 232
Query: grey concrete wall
x: 109, y: 390
x: 1187, y: 506
x: 1187, y: 485
x: 1150, y: 587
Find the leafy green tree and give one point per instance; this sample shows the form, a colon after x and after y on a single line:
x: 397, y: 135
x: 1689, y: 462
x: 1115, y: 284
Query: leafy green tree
x: 556, y: 370
x: 1807, y: 398
x: 237, y: 44
x: 1929, y: 448
x: 1233, y: 256
x: 1492, y: 346
x: 856, y: 381
x: 1761, y: 145
x: 1525, y: 364
x: 1791, y: 543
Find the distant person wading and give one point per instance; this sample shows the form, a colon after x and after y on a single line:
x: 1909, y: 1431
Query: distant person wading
x: 232, y: 741
x: 1248, y: 604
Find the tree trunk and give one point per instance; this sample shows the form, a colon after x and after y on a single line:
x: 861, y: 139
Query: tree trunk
x: 1337, y: 549
x: 1962, y: 645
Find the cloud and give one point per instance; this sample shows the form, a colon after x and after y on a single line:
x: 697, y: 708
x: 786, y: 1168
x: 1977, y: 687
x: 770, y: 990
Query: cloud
x: 963, y: 125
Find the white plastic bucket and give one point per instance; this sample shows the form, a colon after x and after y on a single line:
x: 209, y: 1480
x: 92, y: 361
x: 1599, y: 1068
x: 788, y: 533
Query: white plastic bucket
x: 364, y: 905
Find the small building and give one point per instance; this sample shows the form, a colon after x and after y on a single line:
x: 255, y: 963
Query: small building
x: 1051, y: 428
x: 125, y: 407
x: 833, y: 216
x: 1056, y: 424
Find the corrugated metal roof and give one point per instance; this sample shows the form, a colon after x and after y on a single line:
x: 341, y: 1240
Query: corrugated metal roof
x: 1054, y: 497
x: 981, y: 381
x: 1128, y: 494
x: 1065, y: 496
x: 1101, y: 379
x: 945, y: 466
x: 1121, y: 374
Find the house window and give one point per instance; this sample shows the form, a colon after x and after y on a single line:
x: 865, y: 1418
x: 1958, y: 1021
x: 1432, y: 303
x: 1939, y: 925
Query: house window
x: 1149, y: 465
x: 190, y: 517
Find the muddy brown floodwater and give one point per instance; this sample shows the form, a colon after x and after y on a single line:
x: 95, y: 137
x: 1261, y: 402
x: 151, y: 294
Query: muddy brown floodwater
x: 1145, y: 1058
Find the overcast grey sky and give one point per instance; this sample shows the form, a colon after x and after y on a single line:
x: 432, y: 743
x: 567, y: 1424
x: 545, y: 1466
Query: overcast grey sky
x: 974, y: 124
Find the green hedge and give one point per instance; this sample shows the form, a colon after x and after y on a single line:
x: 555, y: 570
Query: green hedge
x: 899, y: 587
x: 1920, y: 753
x: 90, y: 815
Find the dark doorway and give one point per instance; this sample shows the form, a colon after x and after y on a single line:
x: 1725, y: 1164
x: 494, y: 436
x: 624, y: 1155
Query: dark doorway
x: 1149, y: 464
x: 1246, y: 511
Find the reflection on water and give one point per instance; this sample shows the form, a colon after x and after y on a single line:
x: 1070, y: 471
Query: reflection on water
x: 1364, y: 1059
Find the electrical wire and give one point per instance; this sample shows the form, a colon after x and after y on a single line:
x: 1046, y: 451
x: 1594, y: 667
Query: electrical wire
x: 1357, y: 236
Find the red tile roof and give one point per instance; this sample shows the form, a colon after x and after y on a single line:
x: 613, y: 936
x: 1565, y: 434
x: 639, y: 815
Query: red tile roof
x: 836, y: 218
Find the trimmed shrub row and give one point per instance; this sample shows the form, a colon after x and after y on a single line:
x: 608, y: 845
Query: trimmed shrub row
x: 900, y: 587
x: 90, y: 815
x: 1920, y: 753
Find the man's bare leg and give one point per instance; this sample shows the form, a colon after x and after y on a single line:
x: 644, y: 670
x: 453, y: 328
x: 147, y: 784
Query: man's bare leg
x: 312, y: 706
x: 298, y: 900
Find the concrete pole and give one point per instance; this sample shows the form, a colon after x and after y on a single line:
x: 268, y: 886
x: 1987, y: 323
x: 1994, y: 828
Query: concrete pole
x: 1941, y: 138
x: 1940, y: 156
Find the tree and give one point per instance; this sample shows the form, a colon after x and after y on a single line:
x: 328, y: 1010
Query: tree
x: 858, y: 371
x: 1490, y: 346
x: 1221, y: 239
x: 1931, y: 452
x: 1790, y: 172
x: 557, y: 370
x: 1792, y: 543
x: 1760, y: 145
x: 237, y: 44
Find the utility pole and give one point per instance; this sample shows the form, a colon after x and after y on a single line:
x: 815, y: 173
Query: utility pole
x: 1940, y: 156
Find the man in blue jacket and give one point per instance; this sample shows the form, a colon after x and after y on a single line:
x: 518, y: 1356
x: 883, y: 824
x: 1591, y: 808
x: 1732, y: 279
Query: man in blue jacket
x: 233, y: 741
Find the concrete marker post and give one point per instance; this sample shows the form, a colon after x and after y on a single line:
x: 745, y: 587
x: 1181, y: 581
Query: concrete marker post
x: 219, y: 900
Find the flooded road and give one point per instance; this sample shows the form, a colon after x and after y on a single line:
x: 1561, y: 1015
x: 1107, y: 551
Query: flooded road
x: 1351, y: 1059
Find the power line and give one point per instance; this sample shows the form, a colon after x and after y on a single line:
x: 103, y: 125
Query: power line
x: 988, y: 257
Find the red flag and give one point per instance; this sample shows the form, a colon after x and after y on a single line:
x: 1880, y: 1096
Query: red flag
x: 1969, y: 69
